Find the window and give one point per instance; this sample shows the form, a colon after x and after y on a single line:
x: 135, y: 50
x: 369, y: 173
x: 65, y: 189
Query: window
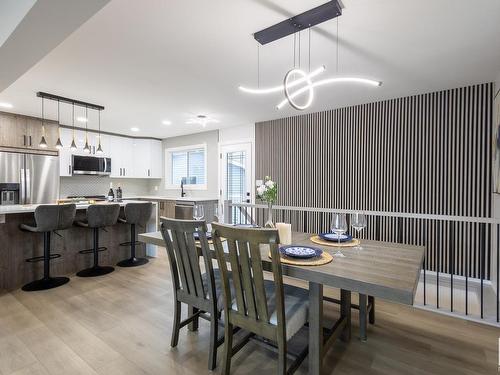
x: 188, y: 164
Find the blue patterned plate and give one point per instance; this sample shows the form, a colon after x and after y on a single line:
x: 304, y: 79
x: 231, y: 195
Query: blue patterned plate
x: 335, y: 238
x: 197, y: 237
x: 303, y: 252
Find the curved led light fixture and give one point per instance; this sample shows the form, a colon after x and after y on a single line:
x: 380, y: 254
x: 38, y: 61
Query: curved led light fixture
x: 280, y: 88
x: 326, y: 82
x: 287, y: 86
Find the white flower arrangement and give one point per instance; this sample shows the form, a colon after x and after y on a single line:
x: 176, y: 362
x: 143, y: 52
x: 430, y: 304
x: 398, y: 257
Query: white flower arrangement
x: 268, y: 191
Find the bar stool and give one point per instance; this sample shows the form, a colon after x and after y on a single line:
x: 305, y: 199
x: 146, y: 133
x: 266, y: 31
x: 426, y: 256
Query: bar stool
x: 98, y: 216
x: 135, y: 214
x: 49, y: 218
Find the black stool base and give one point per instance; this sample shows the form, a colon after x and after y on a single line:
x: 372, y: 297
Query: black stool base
x: 95, y: 271
x: 44, y: 284
x: 132, y: 262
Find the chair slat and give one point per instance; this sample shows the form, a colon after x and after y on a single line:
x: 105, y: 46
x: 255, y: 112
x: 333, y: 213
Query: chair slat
x: 180, y: 241
x: 246, y: 276
x: 180, y: 262
x: 236, y: 272
x: 195, y: 266
x: 258, y: 278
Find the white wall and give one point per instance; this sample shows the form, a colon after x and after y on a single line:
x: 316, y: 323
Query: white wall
x: 211, y: 138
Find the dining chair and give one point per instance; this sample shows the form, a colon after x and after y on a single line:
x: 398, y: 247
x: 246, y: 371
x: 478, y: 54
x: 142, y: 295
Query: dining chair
x: 264, y: 308
x: 199, y: 290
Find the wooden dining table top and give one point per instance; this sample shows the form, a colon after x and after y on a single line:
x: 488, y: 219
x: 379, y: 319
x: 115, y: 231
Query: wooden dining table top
x: 380, y: 269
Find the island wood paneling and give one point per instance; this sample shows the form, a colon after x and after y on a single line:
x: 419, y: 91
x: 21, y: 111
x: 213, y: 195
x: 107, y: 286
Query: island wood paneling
x: 428, y: 153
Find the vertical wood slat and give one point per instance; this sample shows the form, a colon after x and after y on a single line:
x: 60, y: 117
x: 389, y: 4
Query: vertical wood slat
x: 426, y: 153
x: 246, y: 279
x: 235, y: 269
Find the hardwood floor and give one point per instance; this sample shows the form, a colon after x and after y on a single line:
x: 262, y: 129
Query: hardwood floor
x: 121, y: 324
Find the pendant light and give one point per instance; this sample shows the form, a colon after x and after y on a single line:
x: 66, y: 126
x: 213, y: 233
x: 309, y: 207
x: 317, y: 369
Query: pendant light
x: 43, y: 142
x: 86, y: 149
x: 59, y: 144
x: 73, y: 144
x: 99, y: 148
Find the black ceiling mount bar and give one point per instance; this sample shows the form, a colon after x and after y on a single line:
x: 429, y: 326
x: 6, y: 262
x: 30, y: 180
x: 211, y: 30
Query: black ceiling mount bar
x: 300, y: 22
x: 79, y: 103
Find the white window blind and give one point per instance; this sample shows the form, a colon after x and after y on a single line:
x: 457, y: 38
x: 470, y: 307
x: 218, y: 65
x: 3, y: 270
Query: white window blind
x: 189, y: 164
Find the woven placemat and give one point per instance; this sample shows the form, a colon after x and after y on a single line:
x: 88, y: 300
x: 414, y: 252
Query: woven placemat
x: 320, y: 241
x: 324, y: 258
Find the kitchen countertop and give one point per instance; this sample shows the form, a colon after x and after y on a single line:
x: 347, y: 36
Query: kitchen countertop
x: 27, y: 208
x: 164, y: 198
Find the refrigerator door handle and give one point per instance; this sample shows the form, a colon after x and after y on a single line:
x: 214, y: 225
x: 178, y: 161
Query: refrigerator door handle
x: 22, y: 190
x: 28, y: 186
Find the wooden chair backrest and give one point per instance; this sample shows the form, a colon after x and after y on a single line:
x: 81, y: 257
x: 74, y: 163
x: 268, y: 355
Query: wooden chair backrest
x: 184, y: 261
x: 250, y: 310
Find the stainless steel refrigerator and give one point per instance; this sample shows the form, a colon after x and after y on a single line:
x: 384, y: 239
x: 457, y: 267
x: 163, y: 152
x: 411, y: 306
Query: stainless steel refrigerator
x: 28, y: 178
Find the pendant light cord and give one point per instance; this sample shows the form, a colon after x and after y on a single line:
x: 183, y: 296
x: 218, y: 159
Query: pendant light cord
x: 58, y: 120
x: 73, y: 121
x: 299, y: 49
x: 258, y: 66
x: 43, y: 118
x: 309, y: 45
x: 337, y: 45
x: 86, y: 124
x: 294, y: 48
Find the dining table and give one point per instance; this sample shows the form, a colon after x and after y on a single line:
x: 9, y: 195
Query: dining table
x: 385, y: 270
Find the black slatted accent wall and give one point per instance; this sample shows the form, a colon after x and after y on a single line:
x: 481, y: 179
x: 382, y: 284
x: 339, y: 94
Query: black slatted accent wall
x: 427, y: 154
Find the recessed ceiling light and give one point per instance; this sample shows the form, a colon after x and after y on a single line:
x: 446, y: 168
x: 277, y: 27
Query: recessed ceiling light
x: 166, y: 122
x: 203, y: 120
x: 5, y: 105
x: 81, y: 119
x: 134, y: 129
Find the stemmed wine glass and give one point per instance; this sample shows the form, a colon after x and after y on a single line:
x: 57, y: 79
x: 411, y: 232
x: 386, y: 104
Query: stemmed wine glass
x: 339, y: 225
x: 198, y: 212
x: 358, y: 222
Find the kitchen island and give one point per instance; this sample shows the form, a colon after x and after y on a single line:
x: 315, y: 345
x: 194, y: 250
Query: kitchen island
x: 16, y: 246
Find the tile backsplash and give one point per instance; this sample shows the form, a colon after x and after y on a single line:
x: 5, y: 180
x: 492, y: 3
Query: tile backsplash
x: 96, y: 185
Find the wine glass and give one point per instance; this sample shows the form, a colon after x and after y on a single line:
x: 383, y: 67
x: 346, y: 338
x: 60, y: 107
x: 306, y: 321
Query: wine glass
x: 339, y: 225
x: 358, y: 222
x: 198, y: 212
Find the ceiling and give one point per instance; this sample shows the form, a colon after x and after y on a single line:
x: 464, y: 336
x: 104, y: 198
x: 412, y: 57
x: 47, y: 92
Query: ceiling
x: 149, y: 61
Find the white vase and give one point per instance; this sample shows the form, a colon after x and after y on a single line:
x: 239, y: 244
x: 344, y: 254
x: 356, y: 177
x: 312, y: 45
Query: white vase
x: 269, y: 222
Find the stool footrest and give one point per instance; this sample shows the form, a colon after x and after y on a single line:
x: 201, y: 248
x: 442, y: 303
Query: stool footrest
x: 90, y: 251
x: 42, y: 258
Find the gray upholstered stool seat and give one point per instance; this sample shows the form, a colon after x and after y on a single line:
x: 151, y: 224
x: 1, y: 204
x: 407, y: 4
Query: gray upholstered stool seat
x: 135, y: 214
x: 98, y: 216
x: 48, y: 219
x: 183, y: 212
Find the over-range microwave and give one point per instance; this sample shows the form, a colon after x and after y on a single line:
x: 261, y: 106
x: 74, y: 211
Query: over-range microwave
x: 91, y: 165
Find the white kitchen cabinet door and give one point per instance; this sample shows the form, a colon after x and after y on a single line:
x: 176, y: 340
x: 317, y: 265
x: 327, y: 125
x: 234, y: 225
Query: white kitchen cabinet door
x: 156, y: 159
x: 65, y: 153
x: 122, y: 157
x: 142, y: 158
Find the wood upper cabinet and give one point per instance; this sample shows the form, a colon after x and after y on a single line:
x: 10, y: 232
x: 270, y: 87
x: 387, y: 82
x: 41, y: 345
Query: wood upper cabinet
x: 13, y: 131
x: 17, y: 131
x: 34, y: 132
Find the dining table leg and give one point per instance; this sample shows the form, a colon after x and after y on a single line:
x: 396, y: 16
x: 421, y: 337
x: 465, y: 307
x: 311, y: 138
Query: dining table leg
x: 345, y: 312
x: 363, y: 318
x: 315, y: 328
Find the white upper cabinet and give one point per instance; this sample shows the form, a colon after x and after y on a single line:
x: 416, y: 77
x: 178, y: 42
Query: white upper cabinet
x: 130, y: 157
x: 147, y: 158
x: 156, y: 159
